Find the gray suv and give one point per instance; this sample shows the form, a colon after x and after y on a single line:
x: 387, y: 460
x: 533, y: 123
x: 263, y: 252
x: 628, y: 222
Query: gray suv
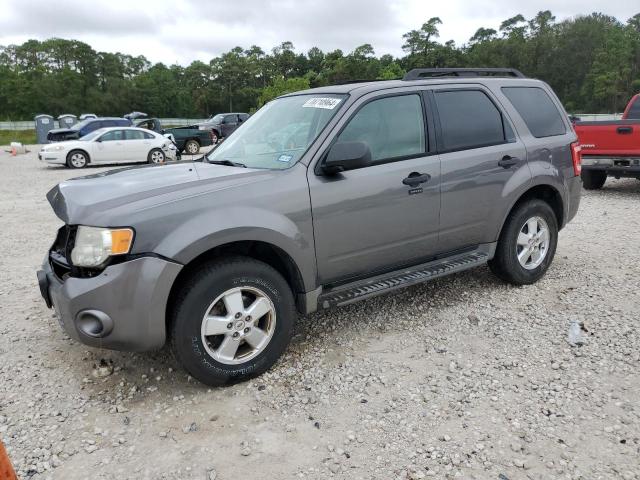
x: 322, y: 198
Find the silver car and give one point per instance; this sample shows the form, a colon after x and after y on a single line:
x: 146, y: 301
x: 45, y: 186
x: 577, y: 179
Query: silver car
x: 321, y: 198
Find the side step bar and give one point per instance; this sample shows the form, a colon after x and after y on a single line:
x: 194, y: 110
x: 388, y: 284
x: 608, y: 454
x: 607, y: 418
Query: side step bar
x: 359, y: 290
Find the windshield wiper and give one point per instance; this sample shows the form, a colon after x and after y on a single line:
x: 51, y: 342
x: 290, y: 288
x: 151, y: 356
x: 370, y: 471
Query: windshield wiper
x: 228, y: 162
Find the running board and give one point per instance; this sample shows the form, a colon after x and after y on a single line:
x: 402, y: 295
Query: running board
x: 379, y: 284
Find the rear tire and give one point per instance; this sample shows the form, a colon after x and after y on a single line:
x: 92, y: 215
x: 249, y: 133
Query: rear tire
x: 213, y: 334
x: 77, y: 159
x: 527, y: 244
x: 192, y: 147
x: 156, y: 156
x: 592, y: 180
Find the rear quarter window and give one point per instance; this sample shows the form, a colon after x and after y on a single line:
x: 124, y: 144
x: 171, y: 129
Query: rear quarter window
x: 634, y: 110
x: 538, y: 111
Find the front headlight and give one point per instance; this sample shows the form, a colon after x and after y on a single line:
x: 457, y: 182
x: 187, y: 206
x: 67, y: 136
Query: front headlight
x: 93, y: 245
x: 55, y: 148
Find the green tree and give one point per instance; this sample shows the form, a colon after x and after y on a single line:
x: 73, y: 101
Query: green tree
x: 280, y: 86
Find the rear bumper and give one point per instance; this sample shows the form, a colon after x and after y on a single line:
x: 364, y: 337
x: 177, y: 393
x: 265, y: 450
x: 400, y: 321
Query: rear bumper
x: 614, y: 170
x: 574, y: 190
x: 123, y: 308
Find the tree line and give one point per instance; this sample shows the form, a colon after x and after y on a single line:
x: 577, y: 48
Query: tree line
x: 591, y: 61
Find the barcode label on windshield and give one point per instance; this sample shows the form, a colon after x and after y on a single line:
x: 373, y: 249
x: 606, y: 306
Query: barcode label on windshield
x: 328, y: 103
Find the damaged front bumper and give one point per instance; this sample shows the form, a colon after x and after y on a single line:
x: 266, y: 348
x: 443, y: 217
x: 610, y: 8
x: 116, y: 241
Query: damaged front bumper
x: 122, y: 308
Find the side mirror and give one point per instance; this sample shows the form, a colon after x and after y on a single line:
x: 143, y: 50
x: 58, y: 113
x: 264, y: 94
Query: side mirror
x: 347, y: 156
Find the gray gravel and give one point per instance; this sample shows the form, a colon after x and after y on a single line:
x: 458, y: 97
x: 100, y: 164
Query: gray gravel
x: 464, y: 377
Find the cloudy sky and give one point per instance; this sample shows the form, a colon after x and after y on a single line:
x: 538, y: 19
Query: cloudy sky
x: 179, y: 31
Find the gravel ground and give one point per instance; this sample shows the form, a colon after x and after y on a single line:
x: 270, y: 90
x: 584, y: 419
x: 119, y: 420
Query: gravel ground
x: 461, y: 377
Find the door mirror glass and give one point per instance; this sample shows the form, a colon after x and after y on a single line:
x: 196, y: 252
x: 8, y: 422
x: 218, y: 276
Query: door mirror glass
x: 347, y: 156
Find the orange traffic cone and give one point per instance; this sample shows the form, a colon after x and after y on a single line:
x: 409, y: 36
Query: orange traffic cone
x: 6, y: 470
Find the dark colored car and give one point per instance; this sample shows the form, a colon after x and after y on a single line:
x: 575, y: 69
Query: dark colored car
x: 324, y: 197
x: 190, y: 139
x: 223, y: 124
x: 152, y: 124
x: 84, y: 127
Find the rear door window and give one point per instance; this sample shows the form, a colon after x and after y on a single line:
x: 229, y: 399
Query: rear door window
x: 113, y: 135
x: 468, y: 119
x: 392, y: 127
x: 634, y: 110
x: 134, y: 135
x: 537, y: 110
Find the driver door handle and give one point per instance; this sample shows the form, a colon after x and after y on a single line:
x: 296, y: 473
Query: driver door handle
x: 414, y: 179
x: 508, y: 161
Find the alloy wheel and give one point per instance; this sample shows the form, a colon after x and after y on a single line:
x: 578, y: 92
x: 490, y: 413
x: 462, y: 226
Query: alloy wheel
x: 238, y: 325
x: 157, y: 157
x: 78, y: 160
x: 533, y: 243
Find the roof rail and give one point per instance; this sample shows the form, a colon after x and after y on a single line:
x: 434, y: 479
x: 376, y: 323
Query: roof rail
x: 421, y: 73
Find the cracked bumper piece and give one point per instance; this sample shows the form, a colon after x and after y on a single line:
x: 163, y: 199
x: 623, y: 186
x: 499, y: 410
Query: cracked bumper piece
x: 122, y: 308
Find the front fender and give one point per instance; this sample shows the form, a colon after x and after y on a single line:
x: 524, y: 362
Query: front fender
x: 214, y: 228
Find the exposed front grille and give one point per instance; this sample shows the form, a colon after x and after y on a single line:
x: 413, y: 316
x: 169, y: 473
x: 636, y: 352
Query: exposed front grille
x: 61, y: 250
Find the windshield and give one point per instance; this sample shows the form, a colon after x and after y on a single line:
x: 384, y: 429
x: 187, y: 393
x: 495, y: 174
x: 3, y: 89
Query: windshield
x: 217, y: 118
x: 277, y: 135
x: 81, y: 124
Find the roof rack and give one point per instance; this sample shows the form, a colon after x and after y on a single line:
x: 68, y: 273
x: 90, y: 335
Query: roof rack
x: 361, y: 80
x: 421, y: 73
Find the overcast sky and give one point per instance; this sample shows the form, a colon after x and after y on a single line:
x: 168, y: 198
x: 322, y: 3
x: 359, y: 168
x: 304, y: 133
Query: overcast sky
x: 180, y: 31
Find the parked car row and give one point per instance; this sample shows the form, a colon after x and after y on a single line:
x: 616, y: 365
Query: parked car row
x: 110, y: 145
x: 188, y: 139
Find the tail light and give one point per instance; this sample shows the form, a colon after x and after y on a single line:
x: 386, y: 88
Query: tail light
x: 576, y: 156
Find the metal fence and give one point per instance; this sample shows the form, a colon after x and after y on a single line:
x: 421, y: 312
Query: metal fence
x: 183, y: 122
x: 167, y: 122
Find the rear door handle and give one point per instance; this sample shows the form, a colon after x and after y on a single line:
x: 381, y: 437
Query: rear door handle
x: 508, y: 161
x: 414, y: 179
x: 624, y: 130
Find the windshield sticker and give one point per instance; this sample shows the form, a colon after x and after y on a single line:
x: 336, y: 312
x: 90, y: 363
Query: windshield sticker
x: 319, y: 102
x: 285, y: 158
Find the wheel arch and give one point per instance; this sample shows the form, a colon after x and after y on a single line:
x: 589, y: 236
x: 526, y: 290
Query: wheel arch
x: 547, y: 193
x: 266, y: 252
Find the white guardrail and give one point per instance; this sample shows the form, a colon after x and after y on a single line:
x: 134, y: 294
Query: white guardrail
x: 183, y: 122
x: 30, y: 124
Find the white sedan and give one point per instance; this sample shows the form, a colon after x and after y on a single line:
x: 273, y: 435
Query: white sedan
x: 110, y: 145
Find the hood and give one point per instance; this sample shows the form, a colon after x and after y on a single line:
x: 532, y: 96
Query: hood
x: 104, y: 198
x: 62, y: 130
x: 68, y: 144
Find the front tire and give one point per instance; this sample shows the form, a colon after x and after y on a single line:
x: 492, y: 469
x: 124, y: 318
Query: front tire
x: 527, y: 244
x: 156, y: 156
x: 232, y: 320
x: 77, y: 159
x: 593, y: 180
x: 192, y: 147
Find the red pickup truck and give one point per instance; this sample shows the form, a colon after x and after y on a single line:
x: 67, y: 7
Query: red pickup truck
x: 610, y: 147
